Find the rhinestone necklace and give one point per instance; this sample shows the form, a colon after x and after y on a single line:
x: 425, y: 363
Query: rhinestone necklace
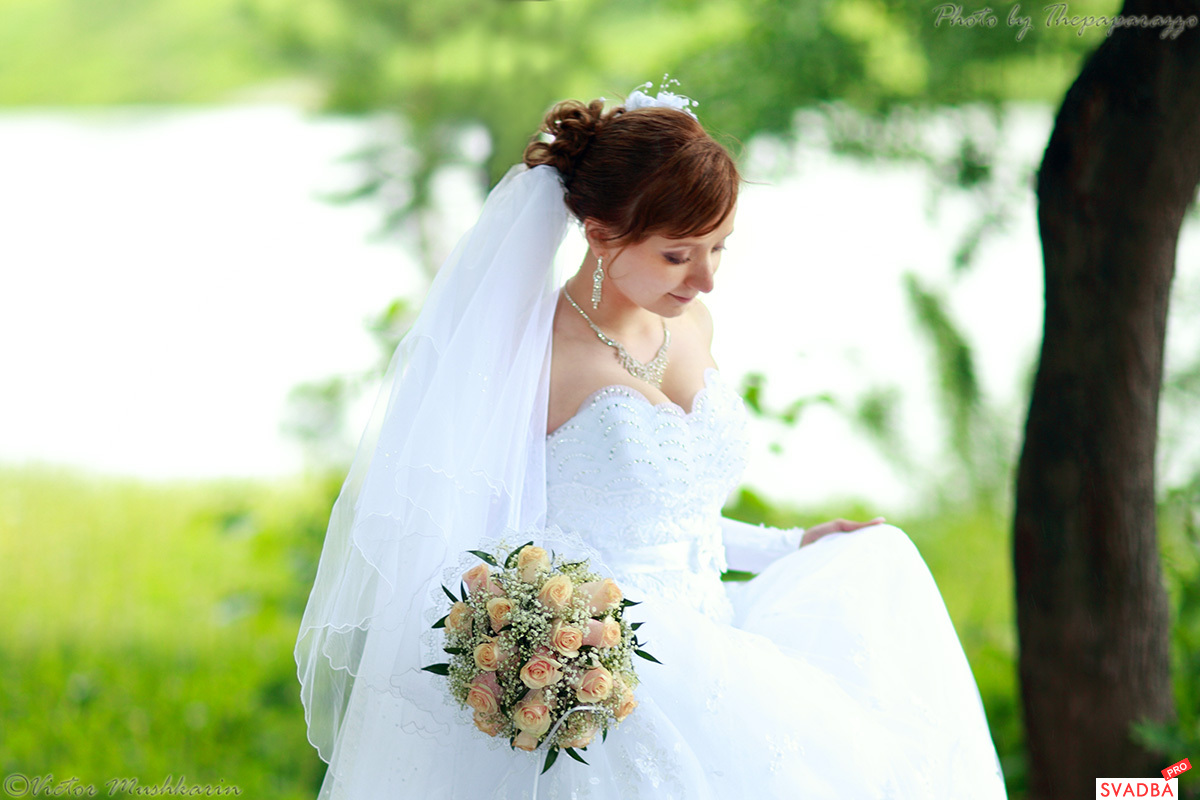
x: 651, y: 373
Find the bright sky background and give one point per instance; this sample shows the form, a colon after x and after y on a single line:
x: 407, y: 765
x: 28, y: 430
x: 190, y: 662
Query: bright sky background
x: 166, y: 277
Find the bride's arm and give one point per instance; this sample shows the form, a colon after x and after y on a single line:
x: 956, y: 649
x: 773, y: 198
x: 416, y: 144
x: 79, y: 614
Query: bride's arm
x: 753, y: 547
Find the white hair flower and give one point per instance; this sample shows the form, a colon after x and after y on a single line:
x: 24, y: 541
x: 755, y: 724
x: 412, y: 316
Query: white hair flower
x: 639, y: 98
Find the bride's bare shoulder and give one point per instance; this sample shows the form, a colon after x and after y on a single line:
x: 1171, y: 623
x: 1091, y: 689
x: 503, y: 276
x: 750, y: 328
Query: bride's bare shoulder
x: 577, y: 369
x: 691, y: 353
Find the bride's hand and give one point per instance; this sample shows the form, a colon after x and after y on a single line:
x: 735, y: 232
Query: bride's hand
x: 834, y: 526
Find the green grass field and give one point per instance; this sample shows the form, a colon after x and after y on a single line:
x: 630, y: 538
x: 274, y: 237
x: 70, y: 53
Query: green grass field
x: 149, y: 628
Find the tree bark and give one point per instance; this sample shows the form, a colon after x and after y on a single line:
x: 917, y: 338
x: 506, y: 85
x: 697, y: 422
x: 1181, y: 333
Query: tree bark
x: 1121, y: 168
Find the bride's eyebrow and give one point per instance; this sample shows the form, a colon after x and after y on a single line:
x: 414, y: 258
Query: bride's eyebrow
x: 691, y: 242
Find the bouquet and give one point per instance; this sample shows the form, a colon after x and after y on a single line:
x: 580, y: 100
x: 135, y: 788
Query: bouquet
x: 540, y: 650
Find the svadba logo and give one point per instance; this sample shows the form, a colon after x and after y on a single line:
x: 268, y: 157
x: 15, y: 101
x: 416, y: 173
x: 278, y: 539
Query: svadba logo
x: 1136, y: 787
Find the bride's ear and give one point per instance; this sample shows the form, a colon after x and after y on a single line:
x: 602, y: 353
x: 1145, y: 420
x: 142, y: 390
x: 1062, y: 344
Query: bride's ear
x: 598, y: 237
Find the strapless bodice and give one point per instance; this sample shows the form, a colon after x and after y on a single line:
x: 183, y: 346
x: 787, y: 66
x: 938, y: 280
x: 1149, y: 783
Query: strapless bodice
x: 644, y: 484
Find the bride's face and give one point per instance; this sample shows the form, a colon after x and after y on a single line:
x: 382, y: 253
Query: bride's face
x: 663, y: 274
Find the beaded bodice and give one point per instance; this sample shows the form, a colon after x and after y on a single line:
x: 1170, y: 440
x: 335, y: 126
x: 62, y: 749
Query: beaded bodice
x: 644, y: 485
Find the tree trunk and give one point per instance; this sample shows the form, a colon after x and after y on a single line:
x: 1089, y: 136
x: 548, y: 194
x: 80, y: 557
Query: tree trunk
x: 1121, y: 167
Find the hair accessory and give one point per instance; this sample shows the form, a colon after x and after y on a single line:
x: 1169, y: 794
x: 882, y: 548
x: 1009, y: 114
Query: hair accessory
x: 664, y: 99
x: 597, y: 279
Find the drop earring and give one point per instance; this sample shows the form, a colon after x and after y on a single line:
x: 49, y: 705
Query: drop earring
x: 597, y: 279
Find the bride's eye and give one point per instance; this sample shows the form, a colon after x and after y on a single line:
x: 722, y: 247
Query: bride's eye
x: 675, y: 258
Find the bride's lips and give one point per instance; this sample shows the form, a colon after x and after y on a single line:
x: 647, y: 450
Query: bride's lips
x: 682, y: 299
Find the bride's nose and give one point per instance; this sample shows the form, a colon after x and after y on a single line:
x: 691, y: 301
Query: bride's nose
x: 701, y: 277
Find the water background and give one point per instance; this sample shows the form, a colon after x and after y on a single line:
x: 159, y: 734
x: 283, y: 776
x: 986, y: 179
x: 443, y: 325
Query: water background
x: 167, y: 276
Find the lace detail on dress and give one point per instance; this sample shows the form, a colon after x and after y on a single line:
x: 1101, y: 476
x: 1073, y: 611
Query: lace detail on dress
x: 712, y: 703
x: 646, y: 769
x: 782, y: 748
x: 643, y: 484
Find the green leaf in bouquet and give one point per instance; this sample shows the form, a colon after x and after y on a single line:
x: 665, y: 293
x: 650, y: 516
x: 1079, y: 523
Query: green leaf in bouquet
x: 449, y: 594
x: 438, y: 669
x: 511, y: 561
x: 633, y: 626
x: 571, y: 752
x: 462, y: 590
x: 646, y: 656
x: 485, y: 556
x: 604, y: 736
x: 454, y: 651
x: 550, y: 756
x: 628, y: 603
x: 441, y: 623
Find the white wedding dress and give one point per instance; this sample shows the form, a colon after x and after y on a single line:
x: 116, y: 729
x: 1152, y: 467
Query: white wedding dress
x: 835, y: 673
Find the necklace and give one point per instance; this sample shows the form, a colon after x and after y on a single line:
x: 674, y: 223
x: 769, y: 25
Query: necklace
x: 651, y: 373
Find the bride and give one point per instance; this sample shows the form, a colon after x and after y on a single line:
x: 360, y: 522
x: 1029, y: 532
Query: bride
x: 591, y: 412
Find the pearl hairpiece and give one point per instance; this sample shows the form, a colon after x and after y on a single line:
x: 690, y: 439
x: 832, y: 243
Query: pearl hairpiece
x: 664, y: 99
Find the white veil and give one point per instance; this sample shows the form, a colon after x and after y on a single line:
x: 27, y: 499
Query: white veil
x: 454, y: 453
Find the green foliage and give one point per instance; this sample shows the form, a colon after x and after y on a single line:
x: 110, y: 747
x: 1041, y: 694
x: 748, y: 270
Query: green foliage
x: 481, y: 61
x: 979, y: 438
x: 462, y: 65
x: 150, y: 628
x: 94, y: 52
x: 1179, y: 532
x: 960, y: 393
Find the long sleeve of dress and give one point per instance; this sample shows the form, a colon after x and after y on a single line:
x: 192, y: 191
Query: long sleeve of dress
x: 753, y: 547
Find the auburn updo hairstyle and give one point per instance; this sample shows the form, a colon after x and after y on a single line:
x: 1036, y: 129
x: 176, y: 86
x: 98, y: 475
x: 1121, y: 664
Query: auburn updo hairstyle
x: 638, y: 173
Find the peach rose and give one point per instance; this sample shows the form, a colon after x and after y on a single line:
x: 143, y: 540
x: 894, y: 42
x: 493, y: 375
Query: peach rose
x: 459, y: 621
x: 488, y: 656
x: 478, y: 577
x: 540, y: 671
x: 556, y: 592
x: 583, y: 737
x: 602, y: 595
x: 626, y: 705
x: 531, y: 562
x: 531, y: 714
x: 525, y: 742
x: 484, y: 693
x: 490, y: 724
x: 566, y: 639
x: 611, y: 635
x: 602, y: 633
x: 595, y: 685
x: 499, y: 611
x: 595, y: 630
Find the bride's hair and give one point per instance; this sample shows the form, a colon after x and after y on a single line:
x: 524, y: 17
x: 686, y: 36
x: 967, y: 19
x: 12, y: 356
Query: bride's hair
x: 638, y: 173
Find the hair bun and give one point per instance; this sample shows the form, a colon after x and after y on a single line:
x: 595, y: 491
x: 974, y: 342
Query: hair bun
x: 572, y: 125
